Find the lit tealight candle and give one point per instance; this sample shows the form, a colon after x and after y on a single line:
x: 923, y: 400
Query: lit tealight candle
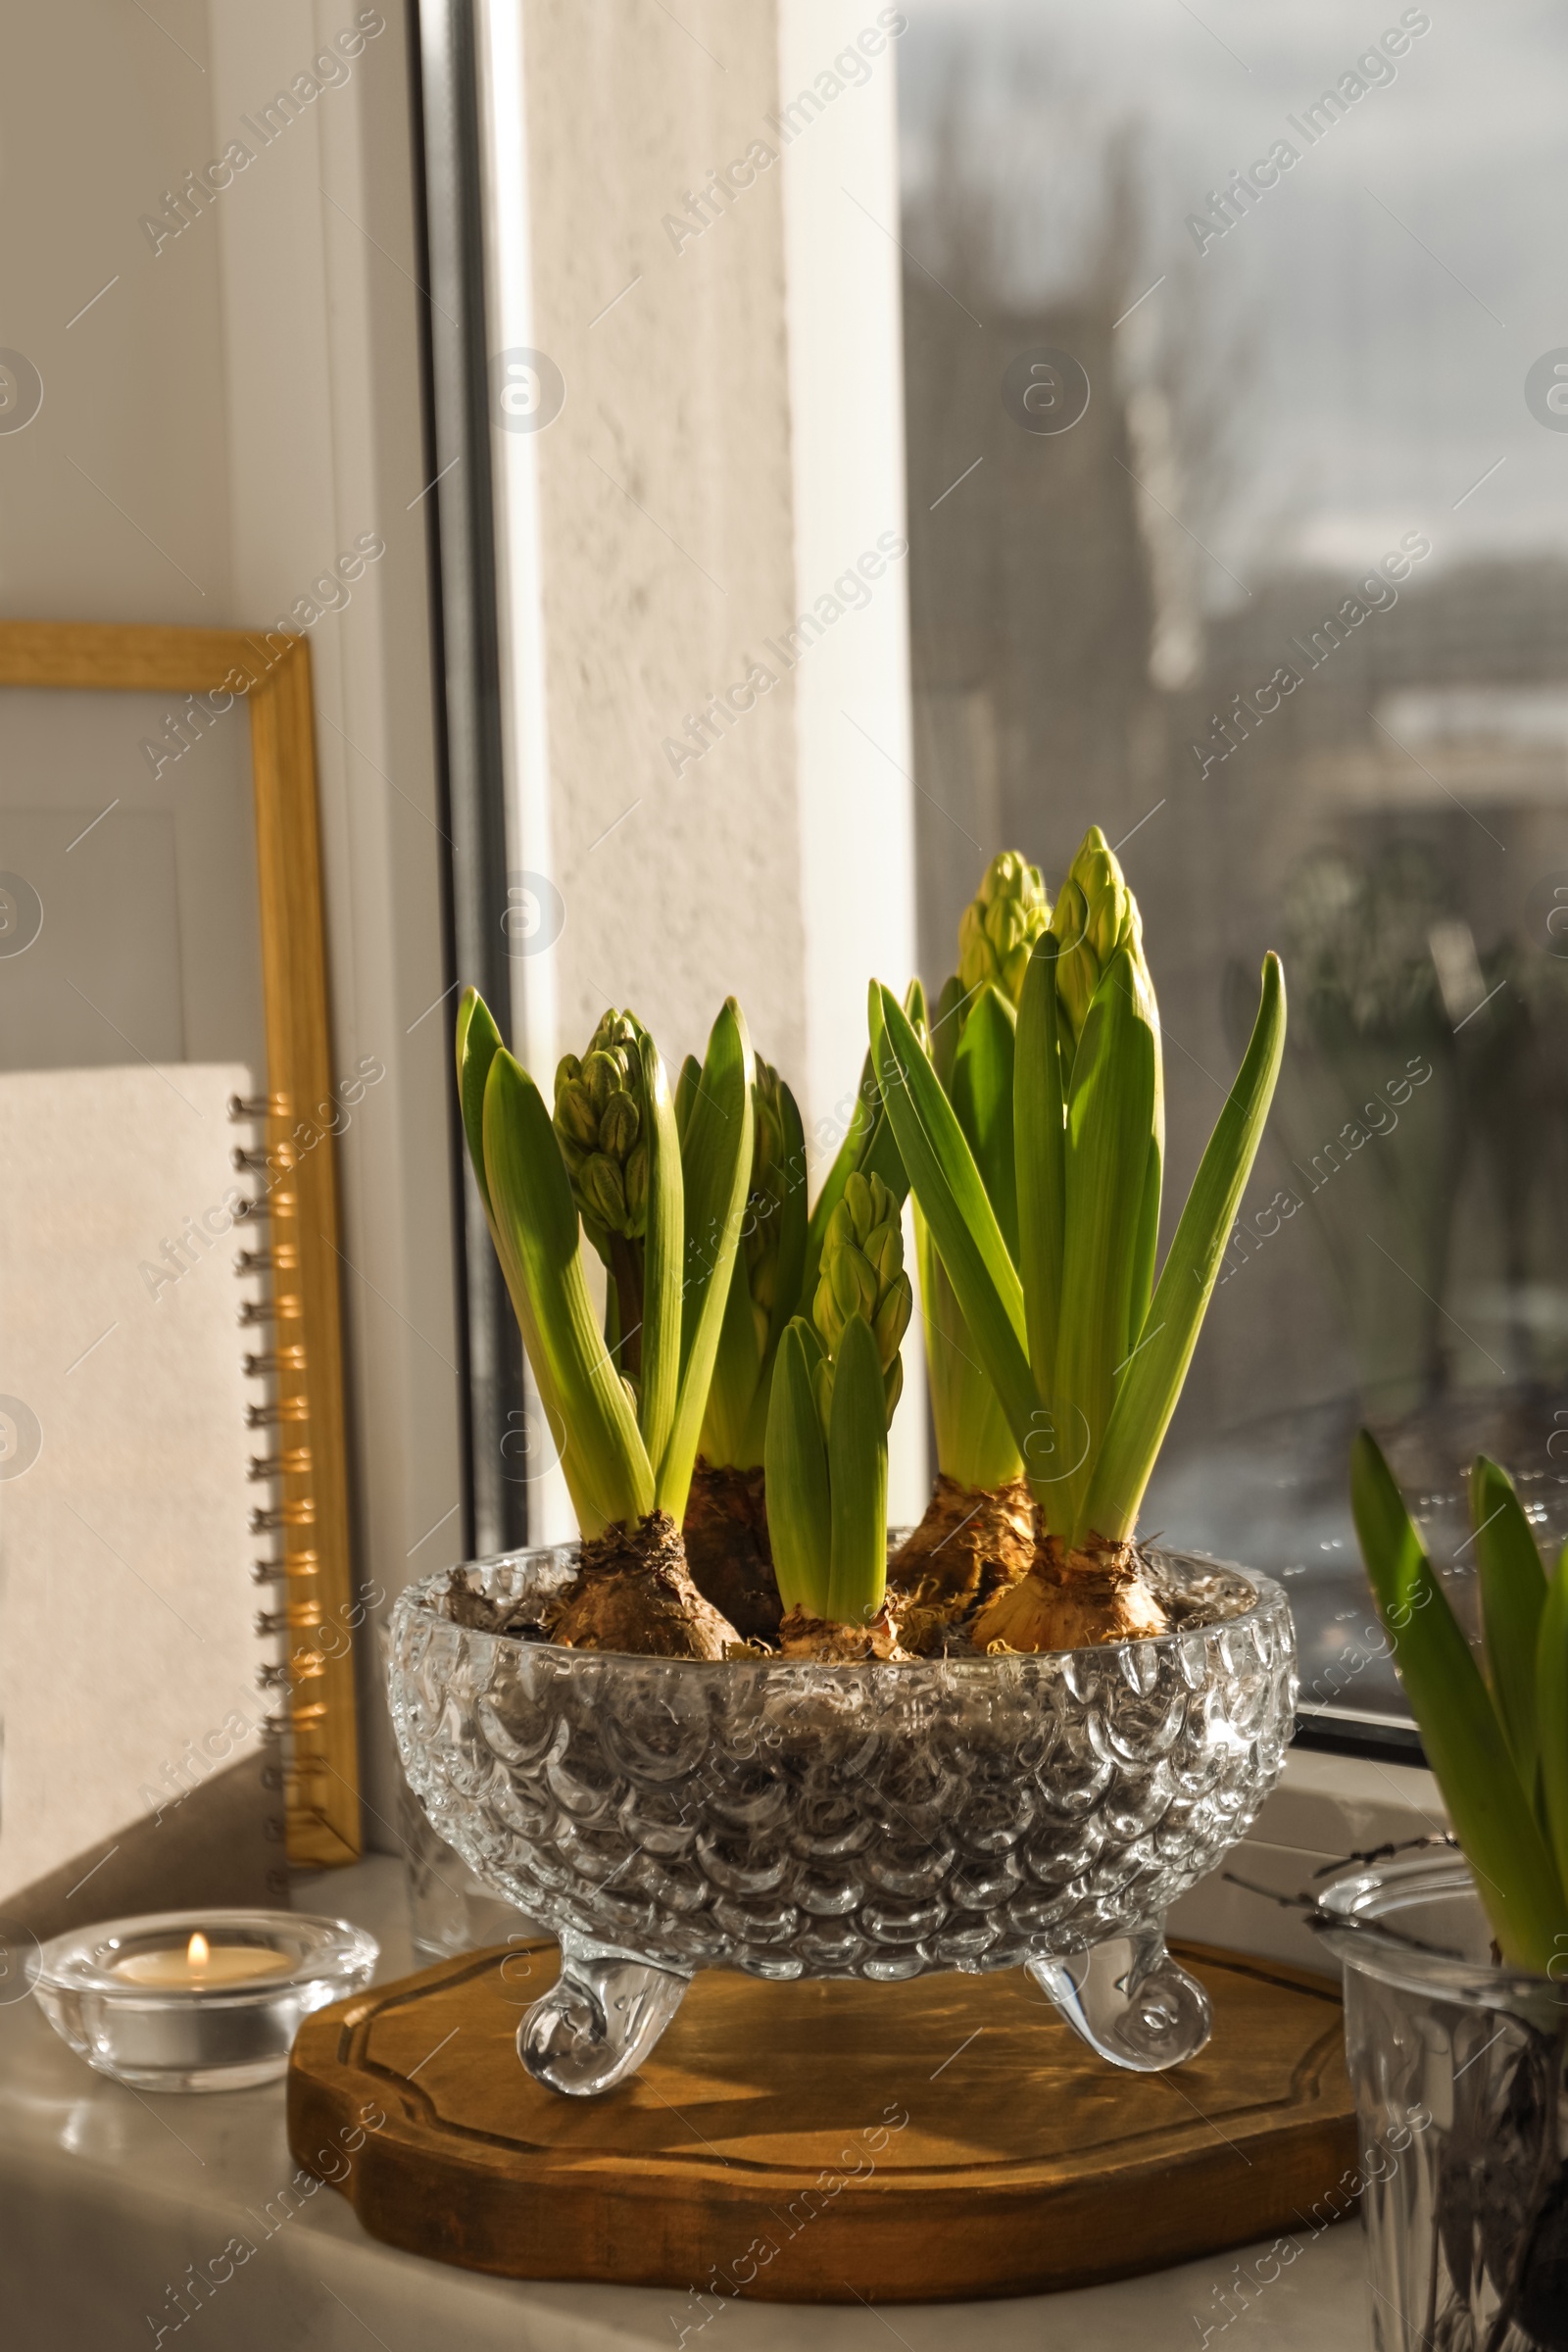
x: 199, y: 1965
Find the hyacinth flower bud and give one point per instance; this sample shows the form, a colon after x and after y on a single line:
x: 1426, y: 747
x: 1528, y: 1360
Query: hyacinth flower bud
x: 1001, y: 925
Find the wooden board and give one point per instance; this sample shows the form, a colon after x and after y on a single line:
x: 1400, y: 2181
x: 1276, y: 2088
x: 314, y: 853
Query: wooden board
x: 824, y: 2142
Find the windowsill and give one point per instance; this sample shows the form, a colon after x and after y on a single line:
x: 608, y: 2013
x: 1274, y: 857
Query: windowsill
x: 107, y: 2197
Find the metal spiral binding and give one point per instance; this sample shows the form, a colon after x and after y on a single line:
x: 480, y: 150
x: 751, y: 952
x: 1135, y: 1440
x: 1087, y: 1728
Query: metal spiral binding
x: 273, y: 1675
x: 267, y: 1416
x: 293, y: 1464
x: 283, y: 1514
x: 281, y: 1258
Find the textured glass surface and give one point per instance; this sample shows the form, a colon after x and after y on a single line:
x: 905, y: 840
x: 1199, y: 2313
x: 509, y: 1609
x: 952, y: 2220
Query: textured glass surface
x: 871, y: 1820
x: 1462, y: 2104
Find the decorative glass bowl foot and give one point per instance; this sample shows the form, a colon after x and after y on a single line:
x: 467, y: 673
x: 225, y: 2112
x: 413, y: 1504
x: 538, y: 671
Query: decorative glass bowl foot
x: 1129, y: 2000
x: 599, y: 2021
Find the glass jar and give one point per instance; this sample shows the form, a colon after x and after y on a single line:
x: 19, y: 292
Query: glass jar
x: 1458, y: 2067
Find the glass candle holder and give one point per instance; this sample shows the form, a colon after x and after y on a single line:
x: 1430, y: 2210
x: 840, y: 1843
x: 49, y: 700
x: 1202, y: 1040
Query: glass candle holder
x: 197, y: 2001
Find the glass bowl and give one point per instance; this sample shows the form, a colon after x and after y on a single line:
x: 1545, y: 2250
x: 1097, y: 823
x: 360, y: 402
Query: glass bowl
x: 196, y: 2038
x: 871, y: 1820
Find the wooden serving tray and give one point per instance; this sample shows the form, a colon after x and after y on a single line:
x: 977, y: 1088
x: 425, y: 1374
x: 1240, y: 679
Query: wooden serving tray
x: 925, y: 2141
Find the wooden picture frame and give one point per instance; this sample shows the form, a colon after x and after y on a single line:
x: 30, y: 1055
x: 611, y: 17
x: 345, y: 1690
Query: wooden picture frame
x: 308, y: 1461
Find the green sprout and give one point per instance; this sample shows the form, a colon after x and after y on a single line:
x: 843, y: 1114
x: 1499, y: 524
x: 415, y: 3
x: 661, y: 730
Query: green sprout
x: 836, y: 1381
x: 1496, y: 1741
x: 1086, y: 1353
x: 662, y: 1205
x: 770, y: 1269
x: 775, y: 1272
x: 971, y: 1048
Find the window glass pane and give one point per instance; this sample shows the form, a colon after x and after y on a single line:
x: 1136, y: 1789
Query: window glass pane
x: 1237, y: 389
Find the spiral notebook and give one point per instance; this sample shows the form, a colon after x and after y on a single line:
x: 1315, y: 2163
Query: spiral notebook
x: 141, y: 1720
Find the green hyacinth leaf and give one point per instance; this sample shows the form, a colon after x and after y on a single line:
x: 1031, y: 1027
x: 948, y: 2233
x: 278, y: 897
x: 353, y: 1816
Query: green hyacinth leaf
x: 1040, y: 1122
x: 664, y: 1244
x: 1552, y: 1718
x: 1110, y: 1111
x: 863, y: 1123
x: 869, y: 1148
x: 478, y: 1041
x: 535, y: 1222
x: 716, y: 1167
x: 974, y: 1444
x: 1150, y: 1384
x: 953, y: 1197
x: 858, y: 1478
x: 1463, y: 1739
x: 946, y: 1029
x: 686, y: 1085
x: 799, y: 1515
x: 981, y: 1093
x: 737, y: 1369
x: 794, y: 1218
x: 1145, y: 1242
x: 1513, y: 1595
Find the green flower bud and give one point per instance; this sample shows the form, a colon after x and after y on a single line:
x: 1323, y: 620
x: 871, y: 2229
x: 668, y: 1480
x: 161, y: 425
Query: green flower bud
x: 1095, y: 917
x: 1001, y: 925
x: 862, y: 1274
x: 619, y: 1125
x: 635, y: 1180
x: 892, y: 1320
x: 855, y: 1283
x: 766, y: 1196
x: 855, y: 1212
x: 600, y: 1123
x: 602, y: 1191
x: 602, y: 1076
x: 575, y: 1115
x: 884, y: 1250
x: 827, y: 1314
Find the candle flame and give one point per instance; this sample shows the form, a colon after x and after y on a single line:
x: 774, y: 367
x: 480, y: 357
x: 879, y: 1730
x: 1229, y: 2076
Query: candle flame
x: 196, y: 1951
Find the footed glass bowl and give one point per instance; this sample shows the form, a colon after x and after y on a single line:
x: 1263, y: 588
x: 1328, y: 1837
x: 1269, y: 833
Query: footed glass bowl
x: 869, y: 1820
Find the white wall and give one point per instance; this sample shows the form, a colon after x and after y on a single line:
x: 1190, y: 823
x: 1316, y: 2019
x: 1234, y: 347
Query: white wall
x: 320, y: 340
x: 114, y: 503
x: 245, y: 400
